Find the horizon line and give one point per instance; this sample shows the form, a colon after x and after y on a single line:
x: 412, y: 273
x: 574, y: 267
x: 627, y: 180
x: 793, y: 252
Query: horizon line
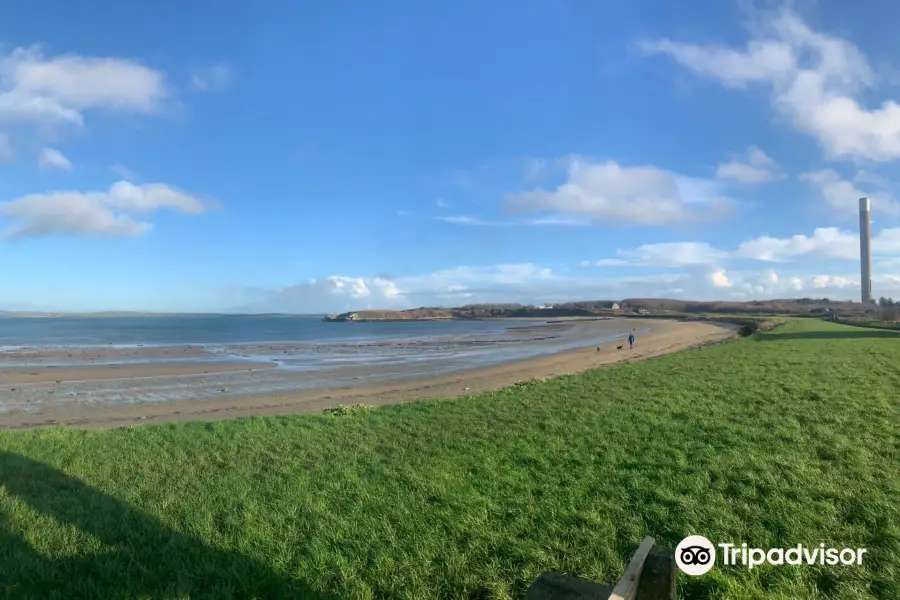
x: 145, y: 313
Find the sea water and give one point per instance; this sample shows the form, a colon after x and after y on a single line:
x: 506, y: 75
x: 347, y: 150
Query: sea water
x: 306, y: 351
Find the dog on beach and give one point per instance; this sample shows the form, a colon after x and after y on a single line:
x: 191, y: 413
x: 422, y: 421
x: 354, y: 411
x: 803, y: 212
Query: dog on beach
x: 618, y: 347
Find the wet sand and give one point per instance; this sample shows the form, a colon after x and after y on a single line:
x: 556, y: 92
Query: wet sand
x: 102, y: 354
x: 11, y: 376
x: 666, y: 337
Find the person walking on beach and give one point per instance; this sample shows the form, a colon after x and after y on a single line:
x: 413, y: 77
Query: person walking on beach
x: 631, y: 341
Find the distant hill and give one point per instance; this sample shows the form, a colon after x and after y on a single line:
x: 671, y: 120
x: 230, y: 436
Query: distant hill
x: 782, y: 306
x: 600, y: 308
x: 443, y: 314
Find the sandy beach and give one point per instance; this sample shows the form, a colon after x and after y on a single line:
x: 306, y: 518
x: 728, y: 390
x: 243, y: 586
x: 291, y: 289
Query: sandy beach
x: 56, y: 407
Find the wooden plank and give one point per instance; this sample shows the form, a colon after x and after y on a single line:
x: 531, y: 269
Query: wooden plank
x: 557, y: 586
x: 627, y: 587
x: 657, y: 580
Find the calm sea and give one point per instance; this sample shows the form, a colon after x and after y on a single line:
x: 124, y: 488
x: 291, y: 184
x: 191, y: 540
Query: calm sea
x: 221, y: 329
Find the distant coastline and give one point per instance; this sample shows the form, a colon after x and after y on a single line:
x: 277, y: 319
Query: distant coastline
x: 138, y: 315
x: 456, y: 314
x: 631, y: 307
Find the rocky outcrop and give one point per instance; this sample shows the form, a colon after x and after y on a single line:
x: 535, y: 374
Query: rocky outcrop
x: 351, y: 316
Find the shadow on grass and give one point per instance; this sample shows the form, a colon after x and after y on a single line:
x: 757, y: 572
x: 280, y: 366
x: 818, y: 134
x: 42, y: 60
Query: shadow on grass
x: 828, y: 335
x: 141, y: 558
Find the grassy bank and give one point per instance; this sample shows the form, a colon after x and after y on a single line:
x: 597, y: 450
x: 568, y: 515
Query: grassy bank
x: 748, y: 324
x: 871, y: 324
x: 791, y: 436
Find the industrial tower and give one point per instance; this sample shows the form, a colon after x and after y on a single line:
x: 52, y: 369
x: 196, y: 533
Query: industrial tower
x: 865, y: 251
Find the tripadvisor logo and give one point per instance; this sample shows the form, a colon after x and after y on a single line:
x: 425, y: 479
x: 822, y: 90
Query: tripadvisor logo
x: 696, y: 555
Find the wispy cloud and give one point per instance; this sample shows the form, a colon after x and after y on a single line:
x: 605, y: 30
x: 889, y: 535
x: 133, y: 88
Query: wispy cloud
x: 816, y: 80
x: 50, y: 158
x: 828, y: 243
x: 671, y: 254
x: 535, y: 169
x: 607, y: 192
x: 549, y: 221
x: 538, y: 169
x: 212, y: 78
x: 754, y: 166
x: 469, y: 180
x: 842, y: 195
x: 124, y: 172
x: 467, y: 220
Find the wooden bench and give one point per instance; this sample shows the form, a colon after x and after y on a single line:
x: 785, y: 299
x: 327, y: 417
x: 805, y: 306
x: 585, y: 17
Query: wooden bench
x: 650, y: 576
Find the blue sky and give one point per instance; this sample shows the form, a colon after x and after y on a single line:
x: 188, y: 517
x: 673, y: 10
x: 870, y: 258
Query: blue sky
x: 288, y: 157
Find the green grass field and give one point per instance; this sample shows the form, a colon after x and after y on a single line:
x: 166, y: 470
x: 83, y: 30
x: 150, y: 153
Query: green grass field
x: 792, y: 436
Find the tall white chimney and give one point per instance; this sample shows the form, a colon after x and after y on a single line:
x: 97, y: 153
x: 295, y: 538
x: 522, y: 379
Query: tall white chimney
x: 865, y: 251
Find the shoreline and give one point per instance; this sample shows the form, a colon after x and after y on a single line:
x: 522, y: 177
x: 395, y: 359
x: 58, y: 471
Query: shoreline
x: 36, y: 354
x: 666, y: 337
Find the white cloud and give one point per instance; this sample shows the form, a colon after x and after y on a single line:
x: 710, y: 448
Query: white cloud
x: 719, y: 279
x: 336, y: 293
x: 356, y: 287
x: 440, y: 203
x: 212, y: 78
x: 463, y: 277
x: 607, y: 191
x: 50, y: 158
x: 816, y: 81
x: 754, y: 167
x: 824, y: 281
x: 747, y: 285
x: 671, y: 254
x: 532, y: 284
x: 93, y: 213
x: 824, y: 243
x: 842, y: 195
x: 6, y: 151
x: 60, y: 89
x: 551, y: 220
